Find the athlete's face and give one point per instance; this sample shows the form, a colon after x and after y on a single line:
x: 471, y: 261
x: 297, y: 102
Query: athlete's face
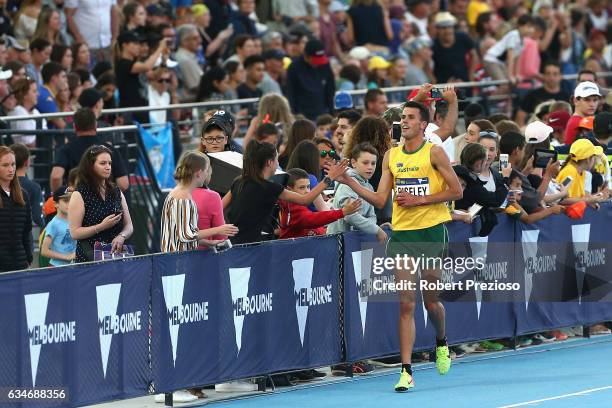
x: 412, y: 125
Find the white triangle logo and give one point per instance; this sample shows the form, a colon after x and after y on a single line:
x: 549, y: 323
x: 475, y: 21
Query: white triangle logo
x: 479, y: 246
x: 173, y: 296
x: 529, y: 240
x: 302, y: 278
x: 239, y: 283
x: 108, y: 300
x: 580, y: 238
x: 36, y: 312
x: 362, y: 263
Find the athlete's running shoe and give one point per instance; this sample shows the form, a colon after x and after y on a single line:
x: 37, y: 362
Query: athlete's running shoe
x: 405, y: 382
x: 443, y: 360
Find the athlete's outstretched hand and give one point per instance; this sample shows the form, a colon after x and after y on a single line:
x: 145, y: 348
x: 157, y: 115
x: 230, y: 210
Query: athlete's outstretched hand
x: 337, y: 170
x: 408, y: 200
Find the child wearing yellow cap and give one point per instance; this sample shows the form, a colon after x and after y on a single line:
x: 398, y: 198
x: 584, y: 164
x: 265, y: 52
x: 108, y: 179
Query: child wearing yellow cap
x: 580, y: 160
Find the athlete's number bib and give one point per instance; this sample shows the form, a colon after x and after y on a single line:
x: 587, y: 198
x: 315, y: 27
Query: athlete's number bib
x: 414, y: 186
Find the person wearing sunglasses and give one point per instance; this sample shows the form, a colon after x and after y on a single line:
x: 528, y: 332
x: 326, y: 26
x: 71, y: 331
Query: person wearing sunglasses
x: 327, y: 154
x: 162, y: 92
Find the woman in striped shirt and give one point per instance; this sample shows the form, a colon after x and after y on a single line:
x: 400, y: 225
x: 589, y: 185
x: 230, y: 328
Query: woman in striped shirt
x: 180, y: 214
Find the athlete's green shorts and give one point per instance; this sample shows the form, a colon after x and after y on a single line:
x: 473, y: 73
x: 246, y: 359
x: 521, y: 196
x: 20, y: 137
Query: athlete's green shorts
x: 429, y: 242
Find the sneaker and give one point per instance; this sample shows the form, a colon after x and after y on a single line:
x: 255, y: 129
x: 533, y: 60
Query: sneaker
x: 458, y: 351
x: 303, y: 376
x: 177, y: 396
x: 544, y: 337
x: 598, y: 329
x: 558, y: 335
x: 577, y: 330
x: 524, y: 341
x: 236, y: 386
x: 405, y: 382
x: 362, y: 367
x: 388, y: 362
x: 488, y: 345
x: 339, y: 370
x: 318, y: 374
x: 443, y: 360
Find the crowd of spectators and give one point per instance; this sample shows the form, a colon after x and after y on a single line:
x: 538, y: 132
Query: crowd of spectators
x: 298, y: 58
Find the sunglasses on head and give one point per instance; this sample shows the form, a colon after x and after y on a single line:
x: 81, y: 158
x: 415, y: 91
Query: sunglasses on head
x: 96, y: 150
x: 488, y: 133
x: 330, y: 153
x: 164, y: 80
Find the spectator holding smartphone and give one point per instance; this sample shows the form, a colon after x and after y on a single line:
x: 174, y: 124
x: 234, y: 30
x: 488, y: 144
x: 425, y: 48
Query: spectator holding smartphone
x: 98, y: 210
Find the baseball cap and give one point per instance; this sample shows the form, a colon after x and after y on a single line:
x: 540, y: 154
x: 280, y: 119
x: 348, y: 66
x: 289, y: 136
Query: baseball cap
x: 583, y: 149
x: 128, y: 37
x: 11, y: 42
x: 316, y: 51
x: 586, y: 123
x: 6, y: 74
x: 417, y: 43
x: 273, y: 53
x: 337, y: 6
x: 558, y: 119
x: 343, y: 100
x: 445, y: 19
x: 602, y: 124
x: 223, y: 120
x: 359, y: 53
x: 537, y: 132
x: 586, y: 89
x: 89, y: 97
x: 62, y: 192
x: 377, y: 62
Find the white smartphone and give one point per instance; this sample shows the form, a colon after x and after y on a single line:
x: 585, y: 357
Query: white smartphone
x: 503, y: 161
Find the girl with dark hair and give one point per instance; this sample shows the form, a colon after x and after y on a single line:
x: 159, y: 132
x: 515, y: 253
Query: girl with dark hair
x: 302, y: 129
x: 135, y: 16
x: 81, y: 56
x: 15, y: 217
x: 213, y: 85
x: 305, y: 156
x: 253, y: 196
x: 62, y: 54
x: 98, y: 211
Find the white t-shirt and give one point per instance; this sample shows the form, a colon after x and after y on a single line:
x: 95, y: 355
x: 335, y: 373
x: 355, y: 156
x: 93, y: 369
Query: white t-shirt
x: 155, y: 99
x: 510, y: 41
x: 447, y: 145
x: 26, y: 124
x: 93, y: 17
x: 420, y: 22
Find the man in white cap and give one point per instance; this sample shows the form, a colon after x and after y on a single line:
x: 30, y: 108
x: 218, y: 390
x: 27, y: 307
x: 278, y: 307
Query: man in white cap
x: 586, y: 99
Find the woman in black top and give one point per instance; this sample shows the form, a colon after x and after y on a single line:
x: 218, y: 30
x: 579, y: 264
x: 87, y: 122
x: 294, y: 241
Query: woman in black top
x: 369, y: 24
x: 128, y: 70
x: 98, y: 210
x: 15, y: 217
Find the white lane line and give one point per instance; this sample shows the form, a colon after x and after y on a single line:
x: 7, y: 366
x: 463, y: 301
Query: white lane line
x: 558, y: 397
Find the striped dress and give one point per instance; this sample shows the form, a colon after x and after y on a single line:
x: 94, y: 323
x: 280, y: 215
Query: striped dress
x: 179, y: 225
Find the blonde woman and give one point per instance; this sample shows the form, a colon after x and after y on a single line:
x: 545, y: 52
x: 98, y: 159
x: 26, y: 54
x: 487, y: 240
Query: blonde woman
x: 273, y: 108
x: 49, y: 27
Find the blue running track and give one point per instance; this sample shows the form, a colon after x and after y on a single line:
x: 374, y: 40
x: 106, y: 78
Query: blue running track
x: 574, y: 373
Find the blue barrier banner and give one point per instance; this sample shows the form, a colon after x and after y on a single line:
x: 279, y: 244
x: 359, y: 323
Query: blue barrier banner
x: 158, y: 145
x: 566, y: 274
x: 268, y: 308
x: 81, y: 329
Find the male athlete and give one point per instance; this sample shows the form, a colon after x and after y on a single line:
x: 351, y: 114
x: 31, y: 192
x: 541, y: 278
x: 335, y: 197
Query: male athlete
x: 423, y: 181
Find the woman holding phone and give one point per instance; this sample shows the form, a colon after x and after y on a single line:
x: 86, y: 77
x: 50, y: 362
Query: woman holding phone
x: 97, y: 211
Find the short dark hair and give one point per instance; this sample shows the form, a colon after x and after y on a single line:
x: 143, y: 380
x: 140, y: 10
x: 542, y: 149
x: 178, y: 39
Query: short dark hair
x: 363, y: 147
x: 587, y: 71
x: 471, y: 153
x: 324, y: 119
x: 39, y: 44
x: 524, y: 20
x: 49, y: 70
x: 295, y: 175
x: 325, y: 141
x: 84, y: 120
x: 423, y: 111
x: 351, y: 115
x: 498, y: 117
x: 22, y: 154
x: 513, y: 175
x: 252, y: 60
x: 511, y: 141
x: 550, y: 63
x: 350, y: 72
x: 241, y: 39
x: 372, y: 95
x: 83, y: 74
x: 266, y: 129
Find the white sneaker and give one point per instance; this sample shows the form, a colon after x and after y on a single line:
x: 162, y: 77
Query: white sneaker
x: 577, y: 330
x: 177, y: 396
x: 236, y: 386
x: 543, y: 338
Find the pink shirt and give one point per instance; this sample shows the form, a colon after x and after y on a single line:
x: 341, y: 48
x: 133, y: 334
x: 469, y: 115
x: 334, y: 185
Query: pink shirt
x: 529, y: 62
x: 210, y: 210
